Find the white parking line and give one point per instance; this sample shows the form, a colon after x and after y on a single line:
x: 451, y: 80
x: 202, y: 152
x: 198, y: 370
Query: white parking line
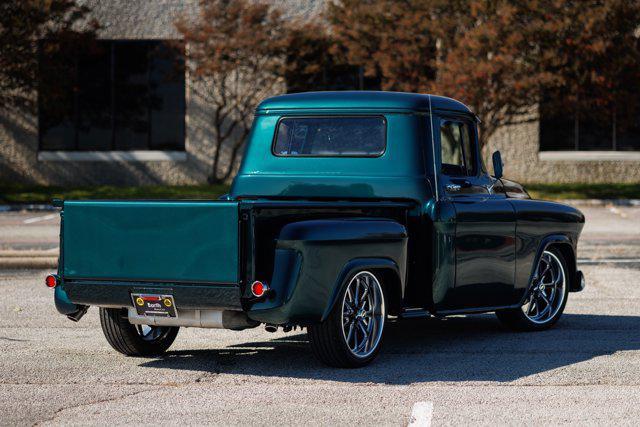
x: 40, y: 218
x: 617, y: 211
x: 421, y: 414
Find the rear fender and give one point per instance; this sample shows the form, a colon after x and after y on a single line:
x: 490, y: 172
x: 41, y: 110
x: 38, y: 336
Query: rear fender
x: 65, y: 306
x: 316, y: 258
x: 393, y: 291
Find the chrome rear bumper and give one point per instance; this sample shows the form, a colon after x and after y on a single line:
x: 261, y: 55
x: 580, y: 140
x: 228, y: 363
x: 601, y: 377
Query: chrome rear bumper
x: 221, y: 319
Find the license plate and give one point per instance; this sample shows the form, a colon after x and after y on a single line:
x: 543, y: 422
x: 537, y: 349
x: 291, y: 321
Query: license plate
x: 154, y: 305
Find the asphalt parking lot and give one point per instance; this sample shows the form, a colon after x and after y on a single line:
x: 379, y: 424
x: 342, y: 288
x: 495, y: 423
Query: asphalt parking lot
x: 460, y: 370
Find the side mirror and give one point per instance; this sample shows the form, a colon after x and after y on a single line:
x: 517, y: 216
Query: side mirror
x: 497, y: 164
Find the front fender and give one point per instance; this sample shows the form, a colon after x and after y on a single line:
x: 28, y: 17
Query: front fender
x: 315, y: 258
x: 567, y: 246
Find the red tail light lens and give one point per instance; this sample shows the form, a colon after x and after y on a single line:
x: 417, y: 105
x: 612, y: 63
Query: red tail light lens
x: 259, y: 289
x: 51, y: 281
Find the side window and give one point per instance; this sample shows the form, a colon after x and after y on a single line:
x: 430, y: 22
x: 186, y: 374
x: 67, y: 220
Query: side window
x: 468, y: 146
x: 458, y: 152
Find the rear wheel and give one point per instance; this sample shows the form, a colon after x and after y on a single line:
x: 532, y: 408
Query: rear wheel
x: 135, y: 340
x: 351, y: 335
x: 547, y: 298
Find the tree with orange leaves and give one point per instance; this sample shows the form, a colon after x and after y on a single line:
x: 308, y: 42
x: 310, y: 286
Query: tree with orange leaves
x: 499, y: 57
x: 235, y: 53
x: 22, y: 24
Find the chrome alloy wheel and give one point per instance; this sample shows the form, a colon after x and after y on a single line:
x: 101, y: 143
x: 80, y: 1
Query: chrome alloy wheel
x: 363, y: 314
x: 548, y: 290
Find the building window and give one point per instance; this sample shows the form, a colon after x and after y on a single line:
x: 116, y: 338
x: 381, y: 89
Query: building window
x: 600, y: 128
x: 111, y: 95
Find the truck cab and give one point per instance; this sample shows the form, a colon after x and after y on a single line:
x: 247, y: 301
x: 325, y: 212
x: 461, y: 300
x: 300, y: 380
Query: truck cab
x: 349, y: 209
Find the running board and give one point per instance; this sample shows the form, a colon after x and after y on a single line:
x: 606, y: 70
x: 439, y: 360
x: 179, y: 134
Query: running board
x: 415, y: 313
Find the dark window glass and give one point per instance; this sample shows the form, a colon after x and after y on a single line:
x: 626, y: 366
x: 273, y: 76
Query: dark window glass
x: 329, y: 76
x: 131, y: 103
x: 330, y: 136
x: 94, y: 97
x: 595, y: 132
x: 457, y: 149
x: 57, y: 108
x: 468, y: 148
x: 111, y: 95
x: 627, y: 128
x: 598, y: 128
x: 556, y: 131
x: 167, y: 99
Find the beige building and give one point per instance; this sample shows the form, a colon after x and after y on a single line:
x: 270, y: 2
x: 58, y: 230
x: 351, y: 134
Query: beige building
x: 529, y: 157
x: 126, y: 120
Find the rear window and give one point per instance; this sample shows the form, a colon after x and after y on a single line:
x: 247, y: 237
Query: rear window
x: 330, y: 136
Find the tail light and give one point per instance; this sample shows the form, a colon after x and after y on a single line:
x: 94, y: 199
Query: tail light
x: 259, y: 289
x: 52, y: 281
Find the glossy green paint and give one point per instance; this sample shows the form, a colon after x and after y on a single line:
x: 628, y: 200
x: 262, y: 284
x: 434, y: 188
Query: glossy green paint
x: 458, y: 248
x: 443, y: 260
x: 539, y: 223
x: 151, y: 240
x: 400, y: 173
x: 357, y: 101
x: 63, y: 302
x: 404, y: 171
x: 315, y: 258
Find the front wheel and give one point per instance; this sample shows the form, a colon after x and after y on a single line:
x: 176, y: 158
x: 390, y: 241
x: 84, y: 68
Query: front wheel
x: 351, y: 335
x: 547, y: 296
x: 135, y: 340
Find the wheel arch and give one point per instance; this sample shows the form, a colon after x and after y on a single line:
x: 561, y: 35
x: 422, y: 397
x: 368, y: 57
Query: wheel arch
x: 386, y: 270
x: 569, y: 255
x: 566, y: 248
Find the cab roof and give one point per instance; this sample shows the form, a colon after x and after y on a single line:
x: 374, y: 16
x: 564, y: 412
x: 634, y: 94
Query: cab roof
x: 359, y: 100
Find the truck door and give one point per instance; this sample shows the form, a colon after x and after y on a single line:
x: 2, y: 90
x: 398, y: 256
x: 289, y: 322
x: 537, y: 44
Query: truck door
x: 485, y: 222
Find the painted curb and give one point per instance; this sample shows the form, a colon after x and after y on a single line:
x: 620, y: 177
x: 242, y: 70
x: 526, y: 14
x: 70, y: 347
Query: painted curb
x: 12, y: 253
x: 29, y: 263
x: 28, y: 207
x: 601, y: 202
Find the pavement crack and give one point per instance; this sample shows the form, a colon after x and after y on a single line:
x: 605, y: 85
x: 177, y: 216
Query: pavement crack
x: 93, y: 402
x: 13, y: 339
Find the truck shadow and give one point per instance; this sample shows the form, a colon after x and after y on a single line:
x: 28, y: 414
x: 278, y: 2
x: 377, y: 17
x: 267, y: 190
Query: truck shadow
x: 473, y: 348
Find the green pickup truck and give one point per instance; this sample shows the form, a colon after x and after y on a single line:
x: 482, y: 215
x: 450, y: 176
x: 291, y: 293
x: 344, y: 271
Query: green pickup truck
x: 350, y: 209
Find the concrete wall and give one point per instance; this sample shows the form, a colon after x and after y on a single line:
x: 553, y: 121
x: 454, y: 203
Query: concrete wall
x: 519, y: 144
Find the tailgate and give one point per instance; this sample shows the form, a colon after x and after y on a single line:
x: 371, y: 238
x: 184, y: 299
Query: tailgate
x: 181, y: 241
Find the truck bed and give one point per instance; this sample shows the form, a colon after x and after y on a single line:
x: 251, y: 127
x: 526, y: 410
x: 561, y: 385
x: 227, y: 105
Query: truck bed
x: 201, y: 252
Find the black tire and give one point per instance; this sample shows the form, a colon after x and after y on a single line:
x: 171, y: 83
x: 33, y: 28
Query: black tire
x: 327, y: 339
x: 129, y: 339
x: 517, y: 320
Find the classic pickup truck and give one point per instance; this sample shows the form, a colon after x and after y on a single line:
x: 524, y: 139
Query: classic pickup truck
x: 350, y: 209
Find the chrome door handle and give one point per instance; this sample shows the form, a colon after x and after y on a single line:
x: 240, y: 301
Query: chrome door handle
x: 453, y: 187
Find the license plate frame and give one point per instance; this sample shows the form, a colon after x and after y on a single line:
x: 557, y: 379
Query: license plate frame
x: 154, y: 305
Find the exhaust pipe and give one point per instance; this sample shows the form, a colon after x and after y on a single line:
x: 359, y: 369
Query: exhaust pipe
x: 219, y: 319
x: 77, y: 315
